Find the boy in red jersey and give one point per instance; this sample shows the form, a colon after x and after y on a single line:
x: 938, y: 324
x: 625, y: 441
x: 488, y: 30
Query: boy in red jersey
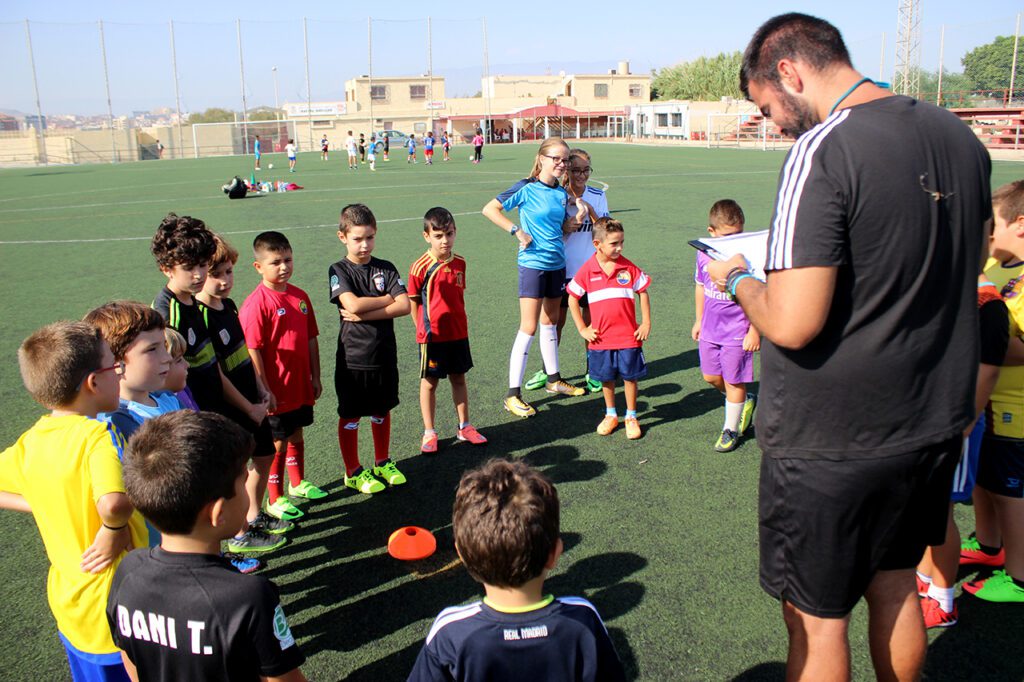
x: 281, y: 333
x: 437, y: 282
x: 614, y: 340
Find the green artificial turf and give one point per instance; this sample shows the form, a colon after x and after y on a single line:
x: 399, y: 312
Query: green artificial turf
x: 660, y: 533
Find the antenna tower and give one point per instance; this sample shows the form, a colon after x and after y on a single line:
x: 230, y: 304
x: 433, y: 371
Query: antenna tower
x: 907, y: 79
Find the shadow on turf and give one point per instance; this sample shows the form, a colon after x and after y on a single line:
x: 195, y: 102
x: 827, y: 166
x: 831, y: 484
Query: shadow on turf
x: 984, y: 644
x: 358, y: 601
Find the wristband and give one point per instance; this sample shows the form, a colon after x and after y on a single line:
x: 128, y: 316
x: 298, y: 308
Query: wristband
x: 732, y: 272
x: 515, y: 228
x: 735, y: 280
x: 115, y: 528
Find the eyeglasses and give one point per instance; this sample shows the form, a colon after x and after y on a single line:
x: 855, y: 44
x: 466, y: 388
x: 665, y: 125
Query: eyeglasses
x: 117, y: 367
x: 558, y: 160
x: 582, y: 171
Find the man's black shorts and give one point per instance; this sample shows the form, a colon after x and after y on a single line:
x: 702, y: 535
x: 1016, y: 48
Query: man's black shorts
x: 827, y: 527
x: 438, y: 359
x: 285, y: 424
x: 366, y: 392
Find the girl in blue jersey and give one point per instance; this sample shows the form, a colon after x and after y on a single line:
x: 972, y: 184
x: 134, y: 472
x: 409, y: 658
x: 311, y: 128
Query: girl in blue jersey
x: 542, y: 203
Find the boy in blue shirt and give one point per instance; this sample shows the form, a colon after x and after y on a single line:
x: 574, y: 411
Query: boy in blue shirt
x: 412, y: 149
x: 506, y: 519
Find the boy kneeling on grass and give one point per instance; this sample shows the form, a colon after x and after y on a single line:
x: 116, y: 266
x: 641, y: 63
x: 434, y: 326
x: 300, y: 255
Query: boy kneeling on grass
x: 180, y: 611
x: 506, y: 521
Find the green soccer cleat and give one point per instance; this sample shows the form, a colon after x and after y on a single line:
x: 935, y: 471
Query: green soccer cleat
x: 285, y: 510
x: 593, y: 385
x: 999, y: 588
x: 747, y: 417
x: 389, y: 473
x: 538, y: 380
x: 255, y: 541
x: 364, y: 483
x: 306, y: 490
x: 727, y: 442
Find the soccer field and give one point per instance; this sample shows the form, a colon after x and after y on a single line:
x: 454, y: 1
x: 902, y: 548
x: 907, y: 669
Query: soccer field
x: 660, y: 533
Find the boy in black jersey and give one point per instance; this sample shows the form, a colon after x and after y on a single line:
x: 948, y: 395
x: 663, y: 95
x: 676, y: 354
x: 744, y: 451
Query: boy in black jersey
x: 369, y: 294
x: 183, y: 247
x: 515, y: 633
x: 262, y: 532
x: 179, y: 611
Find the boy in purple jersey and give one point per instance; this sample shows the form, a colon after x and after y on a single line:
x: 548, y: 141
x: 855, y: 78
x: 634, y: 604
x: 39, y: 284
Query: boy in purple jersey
x: 726, y: 339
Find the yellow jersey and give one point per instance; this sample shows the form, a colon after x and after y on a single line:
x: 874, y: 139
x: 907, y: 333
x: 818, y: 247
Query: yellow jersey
x: 62, y: 466
x: 1005, y: 413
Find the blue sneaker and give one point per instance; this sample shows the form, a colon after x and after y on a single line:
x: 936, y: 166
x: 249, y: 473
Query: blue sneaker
x: 244, y: 564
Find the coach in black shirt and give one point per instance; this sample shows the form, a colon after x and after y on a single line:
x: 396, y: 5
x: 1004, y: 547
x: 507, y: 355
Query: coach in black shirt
x: 868, y: 369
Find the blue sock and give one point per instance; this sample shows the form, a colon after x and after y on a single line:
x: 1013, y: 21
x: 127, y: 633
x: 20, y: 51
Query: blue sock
x: 610, y: 412
x: 463, y: 425
x: 630, y: 414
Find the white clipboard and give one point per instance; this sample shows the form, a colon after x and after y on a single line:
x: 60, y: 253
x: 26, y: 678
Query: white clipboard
x: 752, y: 245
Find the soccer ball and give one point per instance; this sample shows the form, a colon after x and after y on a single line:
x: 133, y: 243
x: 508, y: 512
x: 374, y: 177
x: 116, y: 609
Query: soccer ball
x: 270, y: 167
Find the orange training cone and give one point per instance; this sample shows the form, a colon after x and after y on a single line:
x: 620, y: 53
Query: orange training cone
x: 411, y: 543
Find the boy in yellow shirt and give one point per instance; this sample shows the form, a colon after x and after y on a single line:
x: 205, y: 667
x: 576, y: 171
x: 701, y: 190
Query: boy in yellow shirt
x: 69, y: 369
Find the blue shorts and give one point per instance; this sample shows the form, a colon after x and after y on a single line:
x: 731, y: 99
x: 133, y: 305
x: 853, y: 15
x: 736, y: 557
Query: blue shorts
x: 967, y: 469
x: 87, y: 667
x: 541, y: 283
x: 291, y: 158
x: 627, y: 364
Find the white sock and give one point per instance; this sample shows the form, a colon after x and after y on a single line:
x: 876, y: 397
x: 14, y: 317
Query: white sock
x: 943, y: 595
x: 517, y: 359
x: 549, y: 347
x: 927, y: 579
x: 733, y: 412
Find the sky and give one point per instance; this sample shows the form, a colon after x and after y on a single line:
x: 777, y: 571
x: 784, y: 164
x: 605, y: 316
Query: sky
x: 590, y: 37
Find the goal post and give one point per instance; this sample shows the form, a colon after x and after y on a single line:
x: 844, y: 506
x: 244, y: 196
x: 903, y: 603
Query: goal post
x: 236, y: 137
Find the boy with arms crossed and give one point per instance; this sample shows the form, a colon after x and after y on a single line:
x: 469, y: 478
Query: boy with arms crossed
x: 506, y: 525
x: 261, y: 531
x: 726, y: 339
x: 281, y: 336
x: 66, y: 472
x: 369, y: 294
x: 614, y: 339
x: 179, y: 611
x: 437, y: 282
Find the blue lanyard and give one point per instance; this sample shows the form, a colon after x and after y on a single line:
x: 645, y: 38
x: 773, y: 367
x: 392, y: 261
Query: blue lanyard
x: 849, y: 92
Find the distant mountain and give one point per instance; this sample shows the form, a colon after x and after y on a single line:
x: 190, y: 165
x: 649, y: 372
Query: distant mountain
x: 14, y: 112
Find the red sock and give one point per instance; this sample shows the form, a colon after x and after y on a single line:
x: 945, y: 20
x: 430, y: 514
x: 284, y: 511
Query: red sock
x: 274, y: 488
x: 294, y: 460
x: 348, y: 441
x: 381, y: 428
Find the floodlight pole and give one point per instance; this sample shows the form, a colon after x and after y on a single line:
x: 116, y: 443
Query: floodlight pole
x: 177, y: 92
x: 277, y: 107
x: 39, y: 109
x: 309, y: 95
x: 1013, y: 69
x: 487, y: 81
x: 110, y: 109
x: 369, y: 65
x: 430, y: 74
x: 241, y: 71
x: 942, y: 50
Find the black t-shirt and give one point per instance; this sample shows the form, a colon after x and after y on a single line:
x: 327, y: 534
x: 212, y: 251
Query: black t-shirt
x: 203, y: 375
x: 894, y: 193
x: 194, y: 617
x: 564, y: 641
x: 229, y: 343
x: 994, y: 322
x: 366, y: 345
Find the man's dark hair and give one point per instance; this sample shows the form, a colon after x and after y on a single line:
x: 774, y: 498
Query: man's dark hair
x: 506, y: 520
x: 270, y: 242
x: 726, y: 212
x: 182, y: 240
x: 794, y: 36
x: 177, y: 463
x: 356, y: 215
x: 438, y: 218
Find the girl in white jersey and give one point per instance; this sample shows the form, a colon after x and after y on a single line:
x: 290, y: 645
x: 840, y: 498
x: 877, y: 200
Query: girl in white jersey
x: 542, y: 203
x: 579, y: 243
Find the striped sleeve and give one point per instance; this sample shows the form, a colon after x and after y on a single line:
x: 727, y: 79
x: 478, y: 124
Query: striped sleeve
x: 809, y: 225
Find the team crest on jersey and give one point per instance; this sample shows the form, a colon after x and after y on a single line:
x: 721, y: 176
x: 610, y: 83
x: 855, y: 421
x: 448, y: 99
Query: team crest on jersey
x: 191, y: 337
x: 334, y: 282
x: 303, y: 307
x: 281, y: 312
x: 622, y: 277
x: 460, y: 279
x: 378, y: 282
x: 225, y: 337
